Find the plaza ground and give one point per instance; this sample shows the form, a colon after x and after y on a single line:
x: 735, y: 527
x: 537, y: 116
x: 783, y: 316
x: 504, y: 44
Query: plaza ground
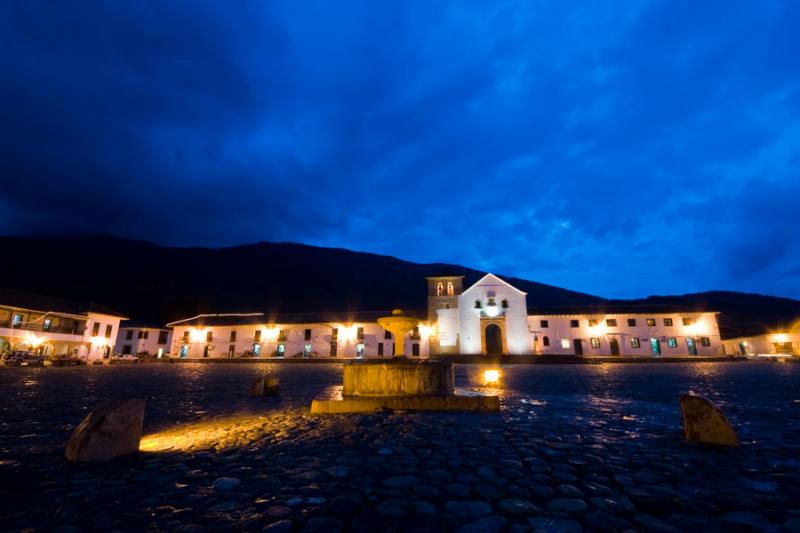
x: 575, y: 447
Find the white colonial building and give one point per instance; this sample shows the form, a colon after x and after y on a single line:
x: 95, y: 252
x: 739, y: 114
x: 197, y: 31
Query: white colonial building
x: 490, y: 317
x: 141, y: 340
x: 493, y: 317
x: 51, y: 326
x: 290, y: 335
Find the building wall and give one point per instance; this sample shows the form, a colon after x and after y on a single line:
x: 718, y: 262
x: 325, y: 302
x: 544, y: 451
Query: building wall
x: 766, y: 344
x: 294, y: 344
x: 100, y: 335
x: 559, y: 328
x: 515, y: 315
x: 142, y: 341
x: 65, y: 334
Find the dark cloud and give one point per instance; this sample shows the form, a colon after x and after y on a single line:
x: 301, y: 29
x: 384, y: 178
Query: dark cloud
x: 622, y: 148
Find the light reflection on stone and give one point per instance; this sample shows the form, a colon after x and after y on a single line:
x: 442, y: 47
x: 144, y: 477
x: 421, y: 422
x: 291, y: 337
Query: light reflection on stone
x: 219, y: 434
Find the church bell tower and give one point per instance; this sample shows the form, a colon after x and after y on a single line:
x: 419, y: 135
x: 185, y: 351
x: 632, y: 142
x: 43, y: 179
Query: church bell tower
x: 443, y: 292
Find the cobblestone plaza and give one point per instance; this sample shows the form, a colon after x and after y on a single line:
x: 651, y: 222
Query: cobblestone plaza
x: 575, y: 447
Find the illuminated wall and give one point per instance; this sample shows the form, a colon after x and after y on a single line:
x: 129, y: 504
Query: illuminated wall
x: 496, y: 298
x: 675, y: 334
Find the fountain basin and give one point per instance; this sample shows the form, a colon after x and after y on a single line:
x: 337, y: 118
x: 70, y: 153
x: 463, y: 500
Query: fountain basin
x: 402, y: 385
x: 398, y: 378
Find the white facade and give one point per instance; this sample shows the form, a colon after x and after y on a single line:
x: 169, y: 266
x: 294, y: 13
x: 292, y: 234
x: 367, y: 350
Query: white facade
x: 490, y: 303
x: 768, y: 344
x: 631, y: 334
x: 143, y: 341
x: 53, y: 327
x: 253, y: 335
x: 492, y: 317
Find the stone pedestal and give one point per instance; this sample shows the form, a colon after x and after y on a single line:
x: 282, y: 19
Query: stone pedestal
x: 403, y: 385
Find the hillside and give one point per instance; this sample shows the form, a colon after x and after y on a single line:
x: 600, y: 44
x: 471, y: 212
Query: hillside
x: 156, y: 284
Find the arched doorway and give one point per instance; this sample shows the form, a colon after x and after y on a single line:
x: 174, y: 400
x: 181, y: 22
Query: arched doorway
x: 614, y: 344
x: 494, y: 339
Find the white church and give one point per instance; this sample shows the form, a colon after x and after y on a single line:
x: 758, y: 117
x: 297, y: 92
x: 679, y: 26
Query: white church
x: 491, y: 317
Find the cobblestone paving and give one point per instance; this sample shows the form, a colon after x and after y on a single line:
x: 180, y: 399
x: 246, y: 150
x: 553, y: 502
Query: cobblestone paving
x: 594, y: 447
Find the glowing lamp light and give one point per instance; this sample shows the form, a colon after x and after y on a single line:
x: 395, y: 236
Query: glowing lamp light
x: 272, y: 333
x: 197, y: 335
x: 598, y: 330
x: 348, y: 333
x: 780, y: 337
x: 33, y: 340
x: 491, y: 377
x: 426, y: 331
x: 99, y: 341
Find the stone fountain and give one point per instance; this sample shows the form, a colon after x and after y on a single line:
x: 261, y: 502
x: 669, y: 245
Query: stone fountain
x: 404, y: 384
x: 398, y: 325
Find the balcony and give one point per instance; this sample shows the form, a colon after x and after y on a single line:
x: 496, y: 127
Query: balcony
x: 72, y: 330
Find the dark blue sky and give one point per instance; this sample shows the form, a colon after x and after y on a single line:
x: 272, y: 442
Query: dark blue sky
x: 619, y: 148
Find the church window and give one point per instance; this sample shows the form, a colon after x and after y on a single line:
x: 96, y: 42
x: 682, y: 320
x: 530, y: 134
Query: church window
x: 439, y: 288
x: 595, y: 342
x: 450, y: 289
x: 504, y: 304
x: 477, y: 304
x: 546, y: 340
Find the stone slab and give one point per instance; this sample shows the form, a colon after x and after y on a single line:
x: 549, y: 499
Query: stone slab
x: 362, y: 404
x: 112, y: 430
x: 264, y: 386
x: 704, y: 422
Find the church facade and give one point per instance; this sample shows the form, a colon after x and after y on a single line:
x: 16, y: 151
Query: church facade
x: 493, y: 317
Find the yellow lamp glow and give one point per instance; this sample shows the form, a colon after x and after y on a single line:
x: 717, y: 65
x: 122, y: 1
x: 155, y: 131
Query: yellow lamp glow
x: 426, y: 331
x: 271, y: 334
x: 33, y: 340
x: 99, y: 341
x: 598, y: 330
x: 780, y: 337
x: 197, y: 335
x: 491, y: 377
x: 348, y: 333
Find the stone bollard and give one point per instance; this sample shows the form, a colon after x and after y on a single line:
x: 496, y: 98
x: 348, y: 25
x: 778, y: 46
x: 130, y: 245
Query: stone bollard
x: 112, y: 430
x: 264, y: 386
x: 704, y: 422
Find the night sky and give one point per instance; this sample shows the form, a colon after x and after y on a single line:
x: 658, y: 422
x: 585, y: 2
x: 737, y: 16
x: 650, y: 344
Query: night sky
x: 618, y: 148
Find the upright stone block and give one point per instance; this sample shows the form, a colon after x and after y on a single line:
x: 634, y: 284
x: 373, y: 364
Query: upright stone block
x: 704, y: 422
x: 264, y: 386
x: 112, y: 430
